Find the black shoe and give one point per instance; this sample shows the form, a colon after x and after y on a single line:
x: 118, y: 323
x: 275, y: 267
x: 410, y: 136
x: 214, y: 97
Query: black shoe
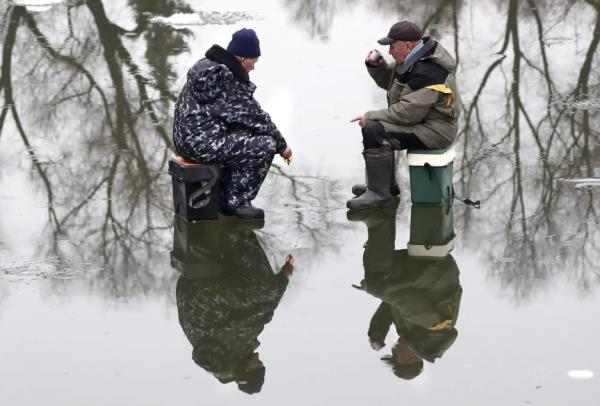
x: 247, y: 212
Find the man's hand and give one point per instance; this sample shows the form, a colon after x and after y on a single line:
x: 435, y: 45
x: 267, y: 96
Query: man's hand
x: 286, y: 154
x: 374, y: 58
x: 376, y: 342
x: 361, y: 121
x: 288, y: 268
x: 362, y: 286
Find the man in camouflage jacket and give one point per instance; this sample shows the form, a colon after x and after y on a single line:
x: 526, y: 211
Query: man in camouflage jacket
x: 218, y: 121
x: 422, y: 112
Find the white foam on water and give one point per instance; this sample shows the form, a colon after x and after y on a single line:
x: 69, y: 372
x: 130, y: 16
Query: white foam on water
x: 582, y: 182
x: 581, y: 374
x: 37, y: 5
x: 203, y: 18
x: 578, y: 104
x: 178, y: 19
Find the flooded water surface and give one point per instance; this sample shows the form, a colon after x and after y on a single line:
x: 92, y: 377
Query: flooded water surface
x: 107, y: 298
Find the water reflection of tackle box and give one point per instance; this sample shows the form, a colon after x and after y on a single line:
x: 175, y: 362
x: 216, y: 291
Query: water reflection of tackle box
x: 195, y: 189
x: 431, y: 230
x: 431, y: 172
x: 196, y: 248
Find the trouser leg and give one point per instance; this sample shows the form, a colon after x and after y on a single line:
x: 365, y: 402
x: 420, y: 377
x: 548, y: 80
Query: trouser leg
x: 374, y: 134
x: 246, y: 161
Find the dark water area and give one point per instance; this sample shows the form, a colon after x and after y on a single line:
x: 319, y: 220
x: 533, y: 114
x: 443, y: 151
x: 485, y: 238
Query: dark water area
x: 107, y: 298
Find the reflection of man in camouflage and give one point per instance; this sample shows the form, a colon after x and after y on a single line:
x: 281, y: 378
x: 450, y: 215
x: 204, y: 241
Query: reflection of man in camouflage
x: 217, y: 120
x: 420, y: 296
x: 223, y: 315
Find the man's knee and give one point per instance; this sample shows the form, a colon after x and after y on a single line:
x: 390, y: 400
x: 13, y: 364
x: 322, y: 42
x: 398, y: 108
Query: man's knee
x: 373, y: 134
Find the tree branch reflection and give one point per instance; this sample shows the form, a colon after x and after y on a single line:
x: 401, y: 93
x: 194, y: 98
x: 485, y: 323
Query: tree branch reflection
x: 542, y: 216
x: 100, y: 123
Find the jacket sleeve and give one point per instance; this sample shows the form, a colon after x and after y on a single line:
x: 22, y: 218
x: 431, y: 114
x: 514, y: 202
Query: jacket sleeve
x: 381, y: 321
x: 250, y: 116
x: 382, y: 74
x: 244, y: 113
x: 410, y: 110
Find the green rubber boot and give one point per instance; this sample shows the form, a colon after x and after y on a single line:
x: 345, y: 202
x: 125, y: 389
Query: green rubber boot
x: 378, y: 163
x: 360, y: 188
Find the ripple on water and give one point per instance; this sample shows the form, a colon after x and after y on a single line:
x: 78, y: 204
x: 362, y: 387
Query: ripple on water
x: 52, y: 268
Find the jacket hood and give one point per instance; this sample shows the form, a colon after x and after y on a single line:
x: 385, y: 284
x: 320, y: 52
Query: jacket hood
x: 442, y: 57
x: 221, y: 55
x: 218, y: 54
x: 433, y: 51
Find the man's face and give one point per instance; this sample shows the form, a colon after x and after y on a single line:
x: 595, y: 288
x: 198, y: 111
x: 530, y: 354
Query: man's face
x: 248, y: 63
x: 399, y: 50
x: 403, y: 355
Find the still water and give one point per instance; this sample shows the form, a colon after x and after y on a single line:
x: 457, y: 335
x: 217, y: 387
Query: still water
x: 106, y: 299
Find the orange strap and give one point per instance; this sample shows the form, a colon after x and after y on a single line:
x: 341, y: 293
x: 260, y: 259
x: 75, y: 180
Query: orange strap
x: 184, y: 161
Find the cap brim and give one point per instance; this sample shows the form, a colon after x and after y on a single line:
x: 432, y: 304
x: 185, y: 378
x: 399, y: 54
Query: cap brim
x: 386, y: 41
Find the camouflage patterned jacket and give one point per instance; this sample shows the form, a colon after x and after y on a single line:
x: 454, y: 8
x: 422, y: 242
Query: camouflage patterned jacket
x: 223, y: 315
x: 218, y: 98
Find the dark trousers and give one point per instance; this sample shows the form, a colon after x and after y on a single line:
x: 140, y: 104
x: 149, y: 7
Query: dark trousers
x: 245, y: 159
x: 374, y: 134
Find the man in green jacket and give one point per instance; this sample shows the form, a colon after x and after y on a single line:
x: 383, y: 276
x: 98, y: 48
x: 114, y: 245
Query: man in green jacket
x: 423, y: 109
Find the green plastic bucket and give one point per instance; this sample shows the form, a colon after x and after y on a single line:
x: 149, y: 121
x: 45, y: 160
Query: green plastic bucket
x: 431, y: 172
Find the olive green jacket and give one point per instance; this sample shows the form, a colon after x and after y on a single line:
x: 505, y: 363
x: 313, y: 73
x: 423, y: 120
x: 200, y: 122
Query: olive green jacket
x: 422, y: 97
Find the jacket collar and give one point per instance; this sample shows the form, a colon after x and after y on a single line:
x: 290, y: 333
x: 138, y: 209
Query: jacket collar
x: 220, y: 55
x: 429, y: 45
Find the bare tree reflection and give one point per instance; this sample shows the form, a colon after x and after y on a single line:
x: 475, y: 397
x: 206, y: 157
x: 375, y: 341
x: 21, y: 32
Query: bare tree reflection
x: 516, y: 153
x: 91, y: 103
x: 550, y: 230
x: 97, y: 132
x: 317, y: 15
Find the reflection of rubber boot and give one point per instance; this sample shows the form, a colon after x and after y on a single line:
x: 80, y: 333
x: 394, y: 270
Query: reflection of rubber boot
x: 360, y: 188
x: 373, y: 218
x: 378, y: 162
x: 235, y: 223
x: 379, y: 248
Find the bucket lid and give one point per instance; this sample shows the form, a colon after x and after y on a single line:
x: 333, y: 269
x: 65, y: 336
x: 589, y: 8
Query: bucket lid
x: 434, y: 157
x: 430, y: 251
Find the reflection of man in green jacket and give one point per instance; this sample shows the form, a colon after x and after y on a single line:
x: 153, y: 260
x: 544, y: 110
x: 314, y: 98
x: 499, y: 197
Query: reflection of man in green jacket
x: 223, y: 315
x: 420, y: 297
x: 422, y: 112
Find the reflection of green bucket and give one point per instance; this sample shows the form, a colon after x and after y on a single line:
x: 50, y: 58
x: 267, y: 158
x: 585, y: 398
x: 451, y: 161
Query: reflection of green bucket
x: 431, y: 230
x: 431, y: 172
